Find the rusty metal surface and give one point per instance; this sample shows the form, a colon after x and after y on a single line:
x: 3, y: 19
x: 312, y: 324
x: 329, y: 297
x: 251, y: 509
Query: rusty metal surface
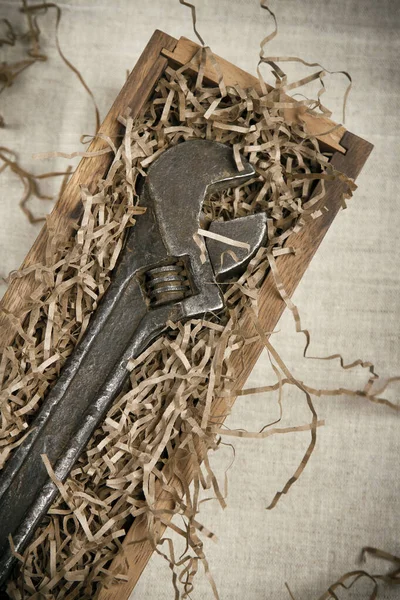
x: 159, y: 277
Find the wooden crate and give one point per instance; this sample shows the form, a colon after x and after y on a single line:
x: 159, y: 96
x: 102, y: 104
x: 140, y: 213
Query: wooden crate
x: 349, y: 154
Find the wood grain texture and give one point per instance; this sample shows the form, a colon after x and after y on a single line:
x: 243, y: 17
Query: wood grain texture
x: 316, y: 125
x: 136, y: 553
x: 67, y: 210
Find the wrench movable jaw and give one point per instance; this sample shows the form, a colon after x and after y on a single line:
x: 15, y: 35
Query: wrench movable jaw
x: 251, y: 230
x: 160, y: 277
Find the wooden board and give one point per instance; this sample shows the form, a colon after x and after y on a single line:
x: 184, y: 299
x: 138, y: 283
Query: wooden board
x: 350, y: 154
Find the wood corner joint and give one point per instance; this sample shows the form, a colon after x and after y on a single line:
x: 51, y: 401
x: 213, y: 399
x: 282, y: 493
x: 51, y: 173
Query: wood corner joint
x: 167, y: 53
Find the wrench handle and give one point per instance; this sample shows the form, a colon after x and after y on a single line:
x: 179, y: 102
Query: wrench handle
x: 90, y: 381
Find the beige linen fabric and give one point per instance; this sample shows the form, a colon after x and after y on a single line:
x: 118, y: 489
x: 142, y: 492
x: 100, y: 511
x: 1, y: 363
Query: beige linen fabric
x: 348, y: 496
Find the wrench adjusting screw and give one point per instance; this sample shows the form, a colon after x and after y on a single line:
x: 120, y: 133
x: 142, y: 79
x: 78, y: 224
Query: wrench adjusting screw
x: 167, y: 283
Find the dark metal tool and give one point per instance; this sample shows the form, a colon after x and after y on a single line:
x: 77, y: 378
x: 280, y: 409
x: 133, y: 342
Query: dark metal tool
x: 160, y: 277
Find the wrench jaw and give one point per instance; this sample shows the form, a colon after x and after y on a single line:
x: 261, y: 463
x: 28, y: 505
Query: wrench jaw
x: 175, y: 189
x: 226, y: 266
x: 251, y: 230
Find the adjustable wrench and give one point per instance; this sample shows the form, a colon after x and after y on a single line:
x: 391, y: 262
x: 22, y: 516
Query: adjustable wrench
x: 159, y: 277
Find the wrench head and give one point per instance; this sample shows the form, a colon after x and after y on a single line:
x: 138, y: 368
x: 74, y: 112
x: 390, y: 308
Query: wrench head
x: 163, y: 241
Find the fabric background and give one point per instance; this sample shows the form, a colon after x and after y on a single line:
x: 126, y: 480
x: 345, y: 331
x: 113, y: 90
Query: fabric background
x: 348, y: 496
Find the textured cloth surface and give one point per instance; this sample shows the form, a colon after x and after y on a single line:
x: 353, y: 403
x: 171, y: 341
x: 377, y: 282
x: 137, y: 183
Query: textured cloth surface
x: 348, y: 496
